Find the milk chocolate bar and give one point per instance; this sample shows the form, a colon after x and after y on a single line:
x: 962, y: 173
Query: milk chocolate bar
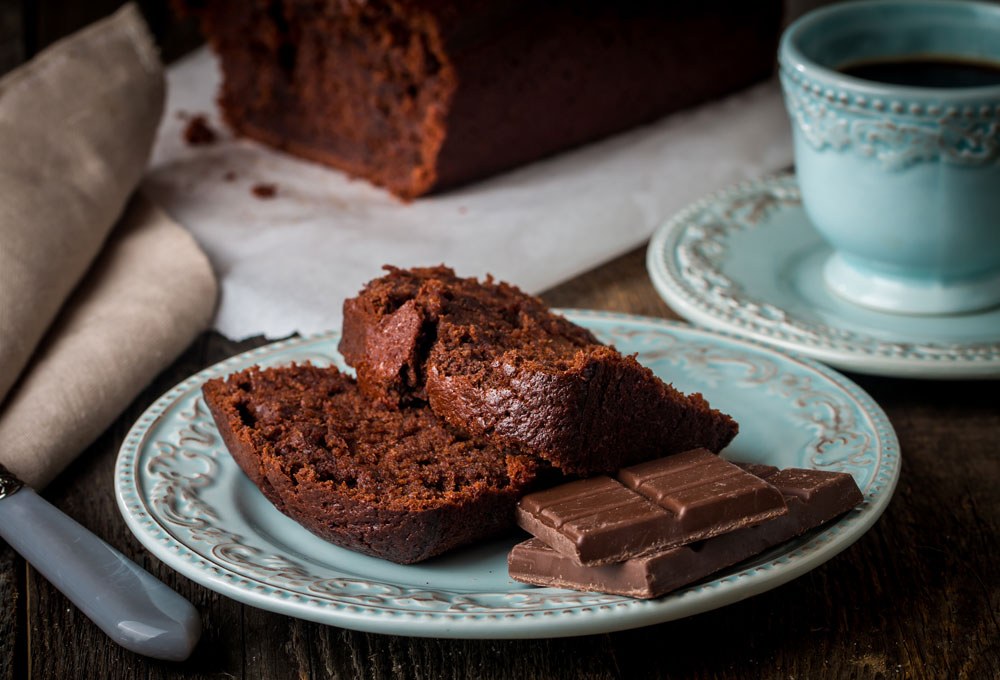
x: 596, y: 520
x: 703, y: 490
x: 812, y: 496
x: 683, y: 498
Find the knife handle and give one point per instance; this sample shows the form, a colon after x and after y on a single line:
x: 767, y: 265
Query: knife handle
x: 135, y: 609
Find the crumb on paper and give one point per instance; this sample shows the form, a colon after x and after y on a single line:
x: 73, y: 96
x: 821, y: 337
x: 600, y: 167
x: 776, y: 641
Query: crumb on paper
x: 198, y: 132
x: 264, y: 191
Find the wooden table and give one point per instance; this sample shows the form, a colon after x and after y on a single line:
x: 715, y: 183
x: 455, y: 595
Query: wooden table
x: 918, y: 596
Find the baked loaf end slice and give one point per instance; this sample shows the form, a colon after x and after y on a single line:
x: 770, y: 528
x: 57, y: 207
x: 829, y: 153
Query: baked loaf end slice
x: 392, y: 483
x: 421, y: 95
x: 495, y: 363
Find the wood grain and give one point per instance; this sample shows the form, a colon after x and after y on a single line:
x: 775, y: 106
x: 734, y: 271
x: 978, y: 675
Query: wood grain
x: 916, y: 597
x: 42, y: 22
x: 13, y: 646
x: 618, y: 286
x: 12, y: 49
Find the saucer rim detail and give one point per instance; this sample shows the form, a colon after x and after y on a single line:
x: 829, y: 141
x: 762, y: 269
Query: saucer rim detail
x: 180, y: 495
x: 697, y: 288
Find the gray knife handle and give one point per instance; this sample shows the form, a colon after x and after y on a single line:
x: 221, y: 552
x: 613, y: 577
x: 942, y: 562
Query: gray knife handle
x: 136, y: 610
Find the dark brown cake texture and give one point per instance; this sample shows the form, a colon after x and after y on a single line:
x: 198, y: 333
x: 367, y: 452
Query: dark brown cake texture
x: 421, y: 95
x: 392, y: 483
x: 496, y: 364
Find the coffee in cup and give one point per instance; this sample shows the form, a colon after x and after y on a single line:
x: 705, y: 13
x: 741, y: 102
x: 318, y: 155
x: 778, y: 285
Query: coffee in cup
x: 895, y: 108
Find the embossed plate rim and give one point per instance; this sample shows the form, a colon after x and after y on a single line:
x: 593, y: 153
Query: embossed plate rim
x: 592, y: 613
x: 763, y: 321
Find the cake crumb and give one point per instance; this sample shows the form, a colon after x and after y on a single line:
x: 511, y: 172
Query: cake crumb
x: 199, y: 133
x: 264, y: 191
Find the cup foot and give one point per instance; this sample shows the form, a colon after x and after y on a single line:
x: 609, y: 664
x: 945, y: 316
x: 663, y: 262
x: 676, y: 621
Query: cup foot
x: 910, y: 296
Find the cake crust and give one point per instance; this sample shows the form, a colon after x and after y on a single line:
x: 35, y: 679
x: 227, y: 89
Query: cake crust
x: 495, y: 363
x: 391, y: 483
x: 418, y: 96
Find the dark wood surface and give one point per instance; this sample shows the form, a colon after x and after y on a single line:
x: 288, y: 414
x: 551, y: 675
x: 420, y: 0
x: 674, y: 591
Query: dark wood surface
x: 917, y: 597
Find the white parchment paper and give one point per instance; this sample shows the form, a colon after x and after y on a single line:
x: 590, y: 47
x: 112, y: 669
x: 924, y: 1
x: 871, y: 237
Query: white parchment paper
x: 285, y: 264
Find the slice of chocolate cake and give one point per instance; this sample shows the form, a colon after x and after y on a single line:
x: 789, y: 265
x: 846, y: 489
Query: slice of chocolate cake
x: 495, y: 363
x: 393, y: 483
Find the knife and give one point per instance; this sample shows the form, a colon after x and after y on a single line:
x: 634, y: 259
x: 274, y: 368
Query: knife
x: 125, y: 601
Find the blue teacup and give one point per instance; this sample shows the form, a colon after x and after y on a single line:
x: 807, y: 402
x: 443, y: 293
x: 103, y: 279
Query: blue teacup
x: 902, y: 180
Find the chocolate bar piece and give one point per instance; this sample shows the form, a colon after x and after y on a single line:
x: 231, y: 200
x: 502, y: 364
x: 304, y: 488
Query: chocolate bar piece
x: 596, y: 520
x: 692, y: 496
x: 757, y: 469
x: 703, y: 490
x: 813, y: 497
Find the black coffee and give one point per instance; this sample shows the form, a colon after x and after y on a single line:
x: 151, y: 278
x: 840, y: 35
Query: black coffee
x: 929, y: 71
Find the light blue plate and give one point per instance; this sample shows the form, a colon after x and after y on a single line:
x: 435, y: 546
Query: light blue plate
x: 188, y: 502
x: 748, y: 261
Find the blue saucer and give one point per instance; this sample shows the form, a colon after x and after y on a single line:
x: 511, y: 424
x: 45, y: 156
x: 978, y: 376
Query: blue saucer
x: 189, y: 503
x: 747, y: 261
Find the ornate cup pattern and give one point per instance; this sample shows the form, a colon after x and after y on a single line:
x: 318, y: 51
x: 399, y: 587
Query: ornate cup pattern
x: 901, y: 181
x: 895, y: 133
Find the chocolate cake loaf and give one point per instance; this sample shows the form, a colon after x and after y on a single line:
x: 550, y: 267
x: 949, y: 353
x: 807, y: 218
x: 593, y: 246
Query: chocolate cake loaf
x: 393, y: 483
x: 421, y: 95
x: 496, y: 364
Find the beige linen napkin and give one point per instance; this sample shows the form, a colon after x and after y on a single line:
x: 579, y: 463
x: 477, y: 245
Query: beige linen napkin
x: 76, y: 127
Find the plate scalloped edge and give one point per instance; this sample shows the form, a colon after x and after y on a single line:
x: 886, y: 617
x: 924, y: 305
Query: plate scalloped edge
x: 229, y: 565
x: 684, y: 261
